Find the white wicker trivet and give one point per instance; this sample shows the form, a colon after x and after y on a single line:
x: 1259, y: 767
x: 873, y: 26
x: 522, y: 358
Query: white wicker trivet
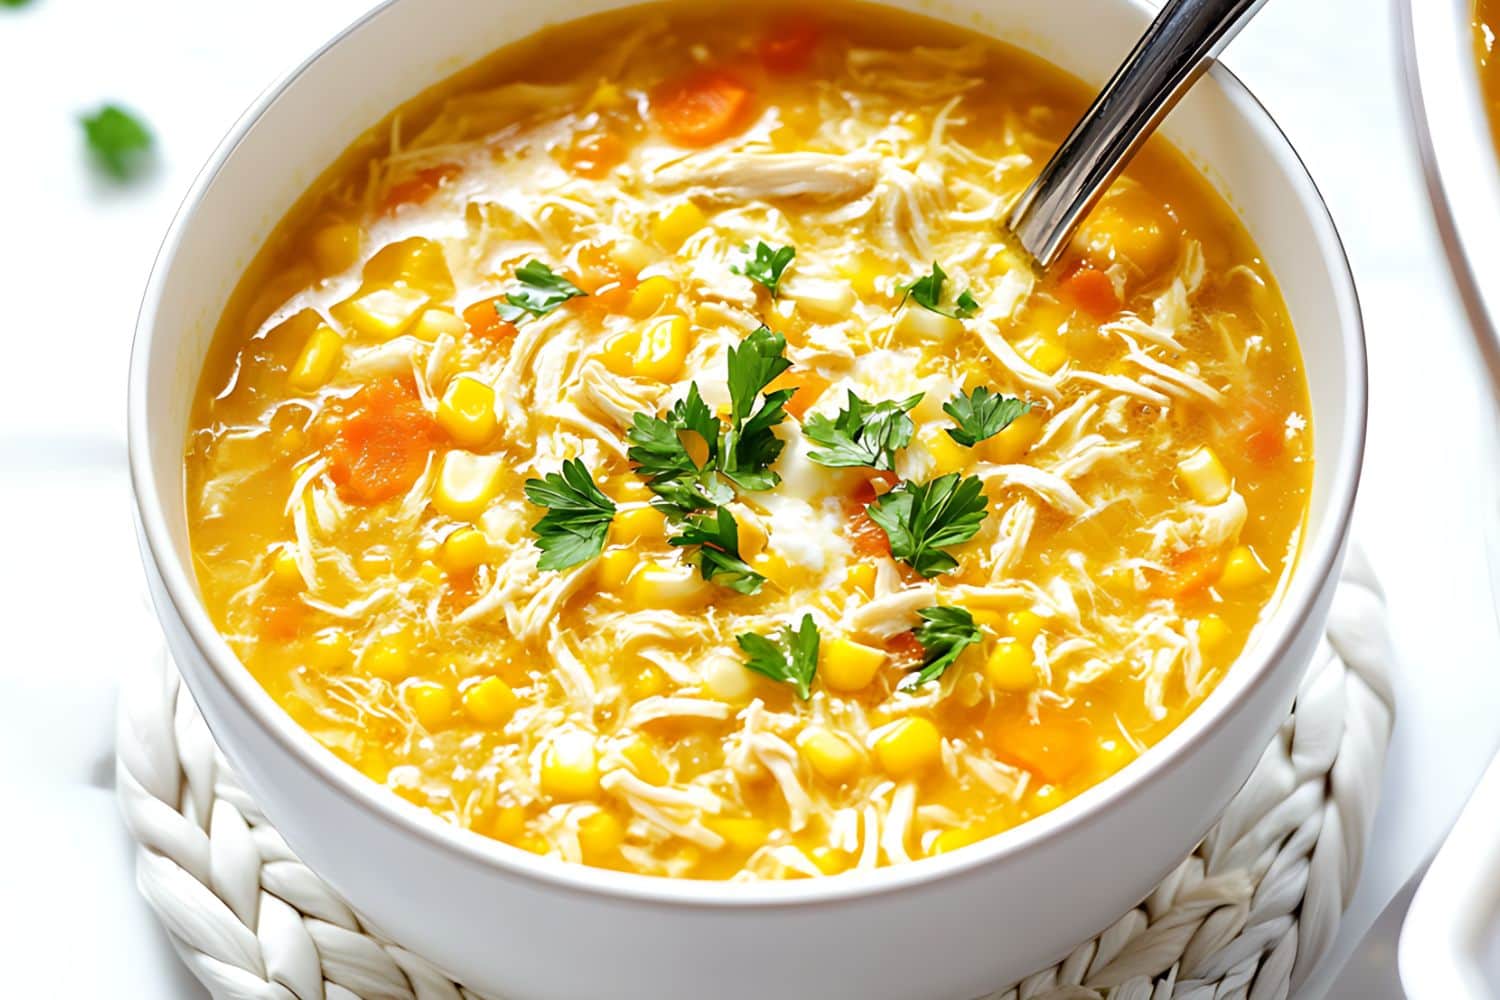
x: 1245, y: 916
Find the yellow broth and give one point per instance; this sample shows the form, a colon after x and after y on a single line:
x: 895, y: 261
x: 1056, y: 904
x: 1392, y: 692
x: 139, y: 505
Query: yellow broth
x: 368, y: 419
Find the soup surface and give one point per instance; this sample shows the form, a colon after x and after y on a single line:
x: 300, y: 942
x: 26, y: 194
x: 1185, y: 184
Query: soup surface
x: 1486, y: 22
x: 642, y: 451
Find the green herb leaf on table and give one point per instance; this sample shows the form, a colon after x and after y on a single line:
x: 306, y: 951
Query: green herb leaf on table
x: 764, y: 265
x: 863, y: 434
x: 921, y: 519
x: 542, y: 291
x: 117, y: 138
x: 927, y: 292
x: 717, y: 536
x: 792, y: 657
x: 944, y: 633
x: 661, y: 454
x: 982, y: 414
x: 751, y: 446
x: 577, y: 519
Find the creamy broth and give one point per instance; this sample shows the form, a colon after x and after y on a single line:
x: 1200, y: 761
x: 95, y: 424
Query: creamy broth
x: 540, y: 261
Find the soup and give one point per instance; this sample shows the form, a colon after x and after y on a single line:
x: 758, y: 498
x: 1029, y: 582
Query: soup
x: 641, y: 450
x: 1486, y: 18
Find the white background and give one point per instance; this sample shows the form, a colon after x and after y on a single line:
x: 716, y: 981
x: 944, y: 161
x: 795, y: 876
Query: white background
x: 75, y: 251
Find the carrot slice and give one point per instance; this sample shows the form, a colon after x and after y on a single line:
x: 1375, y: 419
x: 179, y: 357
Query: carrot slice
x: 1054, y: 746
x: 595, y: 154
x: 700, y: 108
x: 383, y: 443
x: 789, y: 45
x: 1091, y: 290
x: 484, y: 321
x: 418, y: 187
x: 809, y: 385
x: 1190, y: 572
x: 905, y: 650
x: 1264, y: 432
x: 865, y: 536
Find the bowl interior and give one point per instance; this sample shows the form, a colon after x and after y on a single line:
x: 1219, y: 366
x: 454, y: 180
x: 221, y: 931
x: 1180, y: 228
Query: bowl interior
x: 302, y: 124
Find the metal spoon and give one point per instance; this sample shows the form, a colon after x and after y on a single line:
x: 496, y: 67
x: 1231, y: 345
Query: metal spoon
x: 1169, y: 58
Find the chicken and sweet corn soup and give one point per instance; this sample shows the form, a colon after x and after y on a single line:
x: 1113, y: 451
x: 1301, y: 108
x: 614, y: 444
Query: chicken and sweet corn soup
x: 642, y: 450
x: 1486, y: 22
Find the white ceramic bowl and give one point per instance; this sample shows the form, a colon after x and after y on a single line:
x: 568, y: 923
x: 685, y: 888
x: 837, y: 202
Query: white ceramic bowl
x: 506, y: 922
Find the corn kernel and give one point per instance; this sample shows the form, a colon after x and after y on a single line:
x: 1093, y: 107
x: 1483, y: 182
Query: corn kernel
x: 615, y: 567
x: 467, y: 412
x: 534, y: 843
x: 382, y: 313
x: 848, y: 665
x: 655, y: 585
x: 743, y: 833
x: 648, y: 680
x: 1046, y: 354
x: 1011, y: 666
x: 489, y: 702
x: 433, y: 323
x: 1024, y: 626
x: 336, y: 246
x: 570, y: 766
x: 628, y: 488
x: 329, y: 650
x: 861, y: 577
x: 657, y: 350
x: 830, y: 860
x: 637, y: 524
x: 681, y: 221
x: 1242, y: 568
x: 774, y: 567
x: 1113, y: 754
x: 375, y: 763
x: 989, y: 618
x: 947, y: 454
x: 284, y: 568
x: 1213, y: 632
x: 466, y: 484
x: 863, y: 274
x: 600, y: 835
x: 509, y: 823
x: 432, y: 703
x: 829, y: 754
x: 388, y: 657
x: 318, y: 361
x: 1204, y: 476
x: 642, y: 758
x: 649, y: 296
x: 464, y: 550
x: 909, y: 748
x: 606, y: 95
x: 952, y: 840
x: 1045, y: 798
x: 432, y: 574
x: 1015, y: 441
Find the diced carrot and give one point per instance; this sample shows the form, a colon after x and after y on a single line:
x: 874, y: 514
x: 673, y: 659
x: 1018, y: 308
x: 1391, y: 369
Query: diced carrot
x: 484, y: 321
x: 1091, y: 290
x: 809, y: 385
x: 281, y: 620
x: 905, y: 650
x: 418, y: 187
x: 1263, y: 430
x: 700, y: 108
x: 595, y: 154
x: 1054, y: 745
x: 382, y: 444
x: 867, y: 537
x: 1190, y: 572
x: 788, y: 46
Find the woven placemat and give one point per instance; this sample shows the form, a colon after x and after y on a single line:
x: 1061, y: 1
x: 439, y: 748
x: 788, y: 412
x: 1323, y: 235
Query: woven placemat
x: 1246, y: 915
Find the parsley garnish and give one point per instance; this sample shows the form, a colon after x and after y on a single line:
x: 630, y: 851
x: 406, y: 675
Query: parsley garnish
x: 792, y: 657
x: 577, y: 519
x: 718, y: 557
x: 117, y: 138
x: 541, y: 292
x: 750, y: 446
x: 659, y: 448
x: 921, y: 519
x: 944, y: 634
x: 764, y: 265
x: 863, y: 434
x: 927, y: 292
x: 982, y: 414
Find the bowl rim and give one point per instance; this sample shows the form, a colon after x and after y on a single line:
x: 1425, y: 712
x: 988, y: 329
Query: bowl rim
x: 1319, y: 560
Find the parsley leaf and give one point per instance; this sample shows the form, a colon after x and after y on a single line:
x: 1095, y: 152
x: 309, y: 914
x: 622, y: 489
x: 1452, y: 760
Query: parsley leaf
x: 542, y: 291
x: 764, y: 265
x: 982, y: 414
x: 863, y: 434
x: 751, y: 446
x: 792, y: 657
x: 117, y: 138
x: 659, y: 448
x: 718, y: 557
x: 927, y: 292
x: 920, y: 519
x: 577, y: 519
x: 944, y: 634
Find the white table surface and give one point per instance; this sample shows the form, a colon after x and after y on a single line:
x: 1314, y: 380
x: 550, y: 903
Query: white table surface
x: 74, y: 254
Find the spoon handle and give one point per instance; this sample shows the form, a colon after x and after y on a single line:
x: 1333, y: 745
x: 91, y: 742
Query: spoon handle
x: 1172, y: 54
